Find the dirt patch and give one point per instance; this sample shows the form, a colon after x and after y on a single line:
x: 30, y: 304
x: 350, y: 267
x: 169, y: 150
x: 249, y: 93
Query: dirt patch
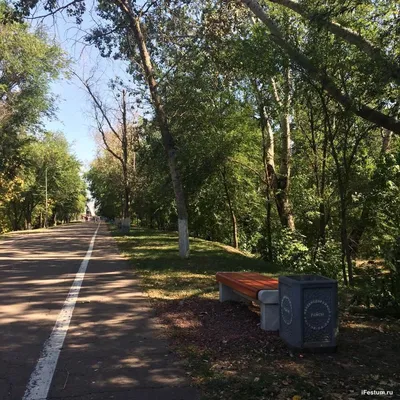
x: 230, y: 357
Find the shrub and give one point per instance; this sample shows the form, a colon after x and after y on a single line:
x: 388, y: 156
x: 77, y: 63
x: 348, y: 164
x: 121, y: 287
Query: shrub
x: 327, y: 259
x: 292, y: 254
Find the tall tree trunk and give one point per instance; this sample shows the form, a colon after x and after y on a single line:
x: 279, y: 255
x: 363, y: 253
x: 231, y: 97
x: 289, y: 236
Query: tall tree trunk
x: 121, y: 133
x: 268, y: 224
x: 278, y: 184
x: 126, y: 209
x: 268, y: 160
x: 323, y: 219
x: 319, y: 173
x: 235, y: 241
x: 342, y: 180
x: 342, y: 186
x: 28, y: 215
x: 283, y: 180
x: 162, y: 120
x: 282, y: 195
x: 368, y: 214
x: 346, y: 254
x: 268, y: 155
x: 126, y: 223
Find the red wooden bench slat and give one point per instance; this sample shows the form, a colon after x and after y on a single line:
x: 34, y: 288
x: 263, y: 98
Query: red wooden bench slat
x: 248, y: 283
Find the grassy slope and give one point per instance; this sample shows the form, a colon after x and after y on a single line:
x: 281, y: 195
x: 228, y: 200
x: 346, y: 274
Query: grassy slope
x: 166, y: 276
x: 226, y: 353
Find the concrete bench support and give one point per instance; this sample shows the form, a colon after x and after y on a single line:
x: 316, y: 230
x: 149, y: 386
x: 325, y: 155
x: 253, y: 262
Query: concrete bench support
x: 228, y: 294
x: 269, y: 317
x: 269, y: 307
x: 268, y: 301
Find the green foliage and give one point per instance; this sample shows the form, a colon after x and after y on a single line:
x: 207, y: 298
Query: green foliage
x: 390, y: 293
x: 327, y: 259
x: 105, y: 185
x: 292, y: 254
x: 378, y: 285
x: 24, y: 203
x: 290, y: 251
x: 29, y: 63
x: 218, y: 74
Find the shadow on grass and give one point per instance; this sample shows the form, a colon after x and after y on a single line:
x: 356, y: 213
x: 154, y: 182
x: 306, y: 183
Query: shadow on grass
x: 159, y: 251
x: 225, y: 351
x: 155, y: 256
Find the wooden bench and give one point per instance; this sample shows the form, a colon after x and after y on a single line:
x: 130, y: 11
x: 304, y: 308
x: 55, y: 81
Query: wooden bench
x: 252, y: 287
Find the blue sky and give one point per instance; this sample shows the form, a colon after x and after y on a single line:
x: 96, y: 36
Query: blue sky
x: 73, y: 116
x: 72, y: 119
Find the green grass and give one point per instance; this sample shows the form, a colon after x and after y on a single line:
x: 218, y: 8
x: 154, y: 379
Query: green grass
x: 166, y: 276
x: 225, y: 353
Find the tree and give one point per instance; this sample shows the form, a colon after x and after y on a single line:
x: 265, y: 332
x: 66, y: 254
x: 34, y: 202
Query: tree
x: 357, y: 107
x: 127, y: 17
x: 29, y: 64
x: 119, y: 133
x: 105, y: 185
x: 322, y: 18
x: 48, y: 167
x: 134, y: 19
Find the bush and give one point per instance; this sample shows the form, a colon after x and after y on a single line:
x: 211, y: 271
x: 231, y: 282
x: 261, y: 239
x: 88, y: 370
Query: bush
x: 391, y: 281
x: 292, y: 254
x: 378, y: 287
x: 327, y: 259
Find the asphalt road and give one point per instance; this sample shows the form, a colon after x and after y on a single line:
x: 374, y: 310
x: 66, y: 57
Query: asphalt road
x: 112, y: 348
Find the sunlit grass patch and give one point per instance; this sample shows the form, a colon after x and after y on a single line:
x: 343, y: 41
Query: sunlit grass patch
x: 166, y: 276
x: 225, y: 352
x: 177, y: 285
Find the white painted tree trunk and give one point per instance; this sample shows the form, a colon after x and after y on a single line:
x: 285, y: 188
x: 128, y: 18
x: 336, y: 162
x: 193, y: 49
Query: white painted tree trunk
x: 126, y: 225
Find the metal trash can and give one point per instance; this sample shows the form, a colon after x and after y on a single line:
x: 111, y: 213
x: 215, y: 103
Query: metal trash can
x: 308, y: 312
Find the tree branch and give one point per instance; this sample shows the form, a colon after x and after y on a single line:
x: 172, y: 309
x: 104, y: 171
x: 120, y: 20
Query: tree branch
x: 53, y: 12
x: 347, y: 35
x: 250, y: 169
x: 362, y: 110
x: 97, y: 104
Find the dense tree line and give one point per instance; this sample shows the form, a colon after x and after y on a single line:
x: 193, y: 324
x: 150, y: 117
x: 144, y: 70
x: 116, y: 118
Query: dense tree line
x: 279, y: 121
x: 40, y: 181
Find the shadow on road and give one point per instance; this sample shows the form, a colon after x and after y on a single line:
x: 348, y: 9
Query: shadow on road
x: 111, y: 348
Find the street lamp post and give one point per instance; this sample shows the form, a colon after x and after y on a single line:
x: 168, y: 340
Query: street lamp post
x: 45, y: 214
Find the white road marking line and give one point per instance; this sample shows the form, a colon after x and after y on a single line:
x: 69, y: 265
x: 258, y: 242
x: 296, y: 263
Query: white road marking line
x: 40, y: 380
